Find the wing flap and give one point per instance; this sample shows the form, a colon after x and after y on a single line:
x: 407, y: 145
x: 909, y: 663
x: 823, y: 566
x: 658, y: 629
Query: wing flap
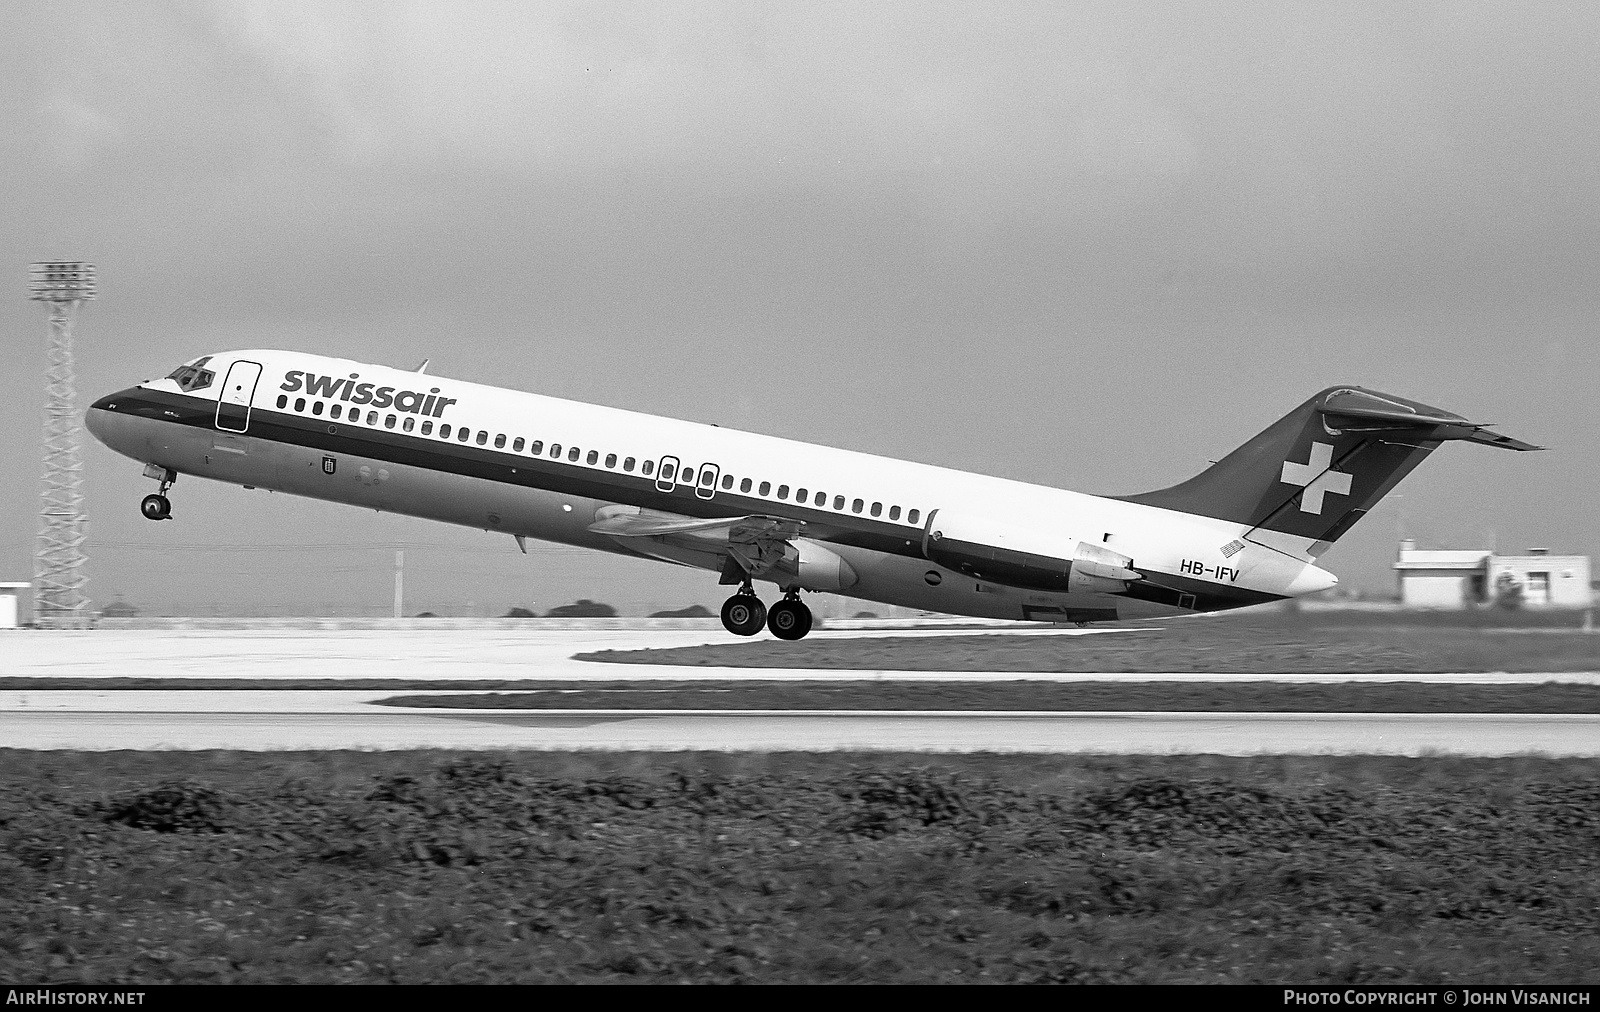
x: 757, y: 544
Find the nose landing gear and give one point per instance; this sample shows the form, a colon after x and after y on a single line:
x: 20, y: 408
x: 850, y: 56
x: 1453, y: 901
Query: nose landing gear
x: 743, y: 614
x: 789, y: 619
x: 158, y: 506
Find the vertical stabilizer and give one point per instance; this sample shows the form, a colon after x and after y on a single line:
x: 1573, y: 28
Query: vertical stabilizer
x: 1307, y: 478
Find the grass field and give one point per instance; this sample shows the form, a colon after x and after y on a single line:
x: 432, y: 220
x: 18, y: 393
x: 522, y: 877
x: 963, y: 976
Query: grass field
x: 1313, y: 643
x: 435, y: 867
x: 349, y: 867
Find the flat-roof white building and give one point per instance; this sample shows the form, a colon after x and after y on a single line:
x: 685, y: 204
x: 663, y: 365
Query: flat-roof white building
x: 8, y: 603
x: 1465, y: 579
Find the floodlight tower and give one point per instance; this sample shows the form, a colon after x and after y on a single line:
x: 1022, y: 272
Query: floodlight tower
x: 58, y: 598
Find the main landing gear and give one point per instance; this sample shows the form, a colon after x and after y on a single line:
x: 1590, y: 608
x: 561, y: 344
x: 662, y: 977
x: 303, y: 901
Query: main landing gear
x: 743, y: 614
x: 157, y: 506
x: 789, y: 619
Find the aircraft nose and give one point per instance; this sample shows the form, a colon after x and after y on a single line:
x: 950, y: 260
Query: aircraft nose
x: 99, y: 419
x: 97, y: 411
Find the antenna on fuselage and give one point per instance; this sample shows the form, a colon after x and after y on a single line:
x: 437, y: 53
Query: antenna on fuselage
x: 423, y: 365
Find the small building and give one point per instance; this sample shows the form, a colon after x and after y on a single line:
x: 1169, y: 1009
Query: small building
x: 8, y: 603
x: 119, y: 609
x: 1466, y: 579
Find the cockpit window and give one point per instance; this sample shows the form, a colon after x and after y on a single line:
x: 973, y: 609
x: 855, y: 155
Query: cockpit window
x: 193, y: 377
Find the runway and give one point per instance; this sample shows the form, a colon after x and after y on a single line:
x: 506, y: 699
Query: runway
x: 274, y: 720
x: 373, y: 728
x: 534, y: 653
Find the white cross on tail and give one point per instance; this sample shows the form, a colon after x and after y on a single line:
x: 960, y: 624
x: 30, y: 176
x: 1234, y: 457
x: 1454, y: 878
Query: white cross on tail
x: 1315, y: 476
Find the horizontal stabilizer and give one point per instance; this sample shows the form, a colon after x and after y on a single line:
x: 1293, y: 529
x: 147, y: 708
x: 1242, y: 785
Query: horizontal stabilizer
x: 1366, y: 406
x: 1351, y: 410
x: 1479, y: 434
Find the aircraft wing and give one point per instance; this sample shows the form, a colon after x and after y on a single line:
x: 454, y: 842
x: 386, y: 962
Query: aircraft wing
x: 756, y: 543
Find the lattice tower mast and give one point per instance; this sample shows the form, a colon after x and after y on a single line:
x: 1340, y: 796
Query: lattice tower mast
x: 59, y: 601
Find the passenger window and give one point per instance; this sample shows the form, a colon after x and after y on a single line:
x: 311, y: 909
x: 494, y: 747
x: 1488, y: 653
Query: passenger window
x: 800, y: 496
x: 667, y: 471
x: 334, y: 411
x: 627, y: 465
x: 911, y: 517
x: 299, y: 403
x: 516, y: 445
x: 611, y: 460
x: 427, y: 428
x: 444, y: 430
x: 877, y: 508
x: 822, y: 498
x: 838, y: 502
x: 572, y: 454
x: 744, y: 486
x: 537, y: 447
x: 647, y: 467
x: 555, y: 451
x: 483, y: 436
x: 500, y: 441
x: 856, y: 506
x: 727, y: 481
x: 409, y: 424
x: 283, y: 400
x: 316, y: 409
x: 894, y: 513
x: 764, y: 488
x: 388, y: 421
x: 708, y: 478
x: 463, y: 434
x: 783, y: 491
x: 593, y: 458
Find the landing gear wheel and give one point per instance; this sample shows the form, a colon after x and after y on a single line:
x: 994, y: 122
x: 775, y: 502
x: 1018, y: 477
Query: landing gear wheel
x: 789, y: 619
x: 156, y: 507
x: 744, y: 614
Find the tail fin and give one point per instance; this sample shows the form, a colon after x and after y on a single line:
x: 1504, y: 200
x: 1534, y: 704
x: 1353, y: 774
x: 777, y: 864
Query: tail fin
x: 1317, y: 470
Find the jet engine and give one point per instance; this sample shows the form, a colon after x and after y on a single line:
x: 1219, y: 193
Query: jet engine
x: 1031, y: 558
x: 808, y: 564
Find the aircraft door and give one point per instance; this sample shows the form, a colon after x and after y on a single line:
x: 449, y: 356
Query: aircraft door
x: 706, y: 486
x: 667, y: 474
x: 233, y: 410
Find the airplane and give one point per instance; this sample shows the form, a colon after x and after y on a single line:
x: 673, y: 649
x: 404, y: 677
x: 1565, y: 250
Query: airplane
x: 753, y: 508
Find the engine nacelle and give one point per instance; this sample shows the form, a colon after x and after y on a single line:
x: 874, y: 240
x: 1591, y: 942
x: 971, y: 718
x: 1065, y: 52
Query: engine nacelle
x: 811, y: 566
x: 1030, y: 558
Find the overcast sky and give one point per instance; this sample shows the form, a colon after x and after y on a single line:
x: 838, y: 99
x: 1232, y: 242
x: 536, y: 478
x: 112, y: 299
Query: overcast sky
x: 1090, y: 246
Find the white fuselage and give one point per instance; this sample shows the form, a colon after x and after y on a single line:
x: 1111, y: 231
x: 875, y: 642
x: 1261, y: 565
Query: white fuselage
x: 875, y: 513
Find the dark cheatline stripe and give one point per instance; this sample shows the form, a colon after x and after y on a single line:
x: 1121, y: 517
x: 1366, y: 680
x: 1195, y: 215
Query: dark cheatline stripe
x: 489, y: 464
